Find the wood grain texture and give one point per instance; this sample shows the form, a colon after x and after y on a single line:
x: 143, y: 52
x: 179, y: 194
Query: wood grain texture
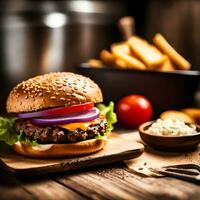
x: 34, y: 188
x: 117, y: 149
x: 119, y: 183
x: 109, y: 182
x: 10, y: 188
x: 51, y: 190
x: 16, y: 193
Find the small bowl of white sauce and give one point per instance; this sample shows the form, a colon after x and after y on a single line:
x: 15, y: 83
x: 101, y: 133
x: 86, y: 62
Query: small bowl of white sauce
x: 170, y: 134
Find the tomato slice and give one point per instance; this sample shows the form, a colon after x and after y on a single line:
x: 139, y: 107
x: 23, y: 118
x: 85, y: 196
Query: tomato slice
x: 71, y: 109
x: 58, y: 111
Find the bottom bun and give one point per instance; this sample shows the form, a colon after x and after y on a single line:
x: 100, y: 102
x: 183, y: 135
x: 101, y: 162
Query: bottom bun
x: 59, y: 150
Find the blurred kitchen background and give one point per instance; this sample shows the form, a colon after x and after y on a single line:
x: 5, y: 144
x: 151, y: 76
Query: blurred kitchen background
x: 42, y: 36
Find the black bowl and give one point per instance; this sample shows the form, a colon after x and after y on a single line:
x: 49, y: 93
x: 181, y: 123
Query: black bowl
x: 166, y: 90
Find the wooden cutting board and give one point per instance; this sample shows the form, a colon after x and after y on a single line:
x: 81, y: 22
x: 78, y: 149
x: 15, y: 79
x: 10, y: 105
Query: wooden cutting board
x: 117, y: 149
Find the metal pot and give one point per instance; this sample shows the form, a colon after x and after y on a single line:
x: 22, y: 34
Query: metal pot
x: 39, y: 37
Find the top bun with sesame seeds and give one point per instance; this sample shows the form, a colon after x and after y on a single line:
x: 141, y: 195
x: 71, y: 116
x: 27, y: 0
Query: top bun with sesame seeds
x: 52, y: 90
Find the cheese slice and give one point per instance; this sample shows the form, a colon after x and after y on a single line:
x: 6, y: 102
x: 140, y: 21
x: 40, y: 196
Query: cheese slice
x: 82, y: 125
x: 74, y: 126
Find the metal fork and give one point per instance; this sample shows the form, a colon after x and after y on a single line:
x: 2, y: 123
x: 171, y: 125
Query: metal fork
x: 187, y: 172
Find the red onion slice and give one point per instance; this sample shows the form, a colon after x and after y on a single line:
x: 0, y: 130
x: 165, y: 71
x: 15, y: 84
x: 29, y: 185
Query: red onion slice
x: 86, y: 116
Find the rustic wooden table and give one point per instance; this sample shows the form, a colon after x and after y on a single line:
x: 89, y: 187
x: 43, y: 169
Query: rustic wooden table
x: 113, y: 181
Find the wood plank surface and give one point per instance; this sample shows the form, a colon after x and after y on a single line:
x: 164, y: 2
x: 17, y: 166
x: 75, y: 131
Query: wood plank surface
x: 51, y: 190
x: 117, y: 182
x: 10, y: 188
x: 34, y: 188
x: 109, y: 182
x: 14, y: 193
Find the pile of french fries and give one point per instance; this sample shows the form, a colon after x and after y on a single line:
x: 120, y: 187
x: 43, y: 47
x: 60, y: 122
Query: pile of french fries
x: 137, y: 53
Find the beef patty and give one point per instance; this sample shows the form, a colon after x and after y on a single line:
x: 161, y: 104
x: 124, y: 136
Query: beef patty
x: 55, y: 134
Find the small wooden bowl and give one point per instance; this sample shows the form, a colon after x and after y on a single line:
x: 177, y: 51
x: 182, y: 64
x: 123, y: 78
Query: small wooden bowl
x: 169, y: 143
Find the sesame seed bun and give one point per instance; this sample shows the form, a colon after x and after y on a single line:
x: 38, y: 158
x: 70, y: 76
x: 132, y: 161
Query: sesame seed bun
x: 60, y: 150
x: 52, y: 90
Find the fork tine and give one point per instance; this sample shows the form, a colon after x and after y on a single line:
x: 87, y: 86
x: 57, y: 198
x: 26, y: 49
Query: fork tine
x: 191, y: 178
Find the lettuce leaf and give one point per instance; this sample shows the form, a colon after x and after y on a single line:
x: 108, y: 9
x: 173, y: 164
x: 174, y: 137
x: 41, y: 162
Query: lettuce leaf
x: 7, y: 132
x: 111, y: 116
x: 24, y: 139
x: 9, y: 135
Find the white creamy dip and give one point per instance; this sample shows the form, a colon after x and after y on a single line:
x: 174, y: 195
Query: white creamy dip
x: 171, y: 127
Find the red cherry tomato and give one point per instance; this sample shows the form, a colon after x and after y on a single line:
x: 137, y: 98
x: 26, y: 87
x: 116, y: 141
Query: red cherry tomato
x: 133, y: 110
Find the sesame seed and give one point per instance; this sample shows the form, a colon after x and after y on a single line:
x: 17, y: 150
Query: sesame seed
x: 62, y: 99
x: 53, y: 97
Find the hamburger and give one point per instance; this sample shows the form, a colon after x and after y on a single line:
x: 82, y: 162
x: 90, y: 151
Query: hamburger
x: 57, y: 115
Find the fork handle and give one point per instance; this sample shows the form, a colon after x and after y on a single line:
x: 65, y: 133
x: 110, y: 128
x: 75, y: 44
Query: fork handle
x: 194, y: 179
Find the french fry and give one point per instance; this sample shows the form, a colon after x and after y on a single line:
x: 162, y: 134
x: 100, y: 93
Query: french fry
x: 121, y: 46
x: 166, y: 48
x: 119, y: 63
x: 107, y: 58
x: 173, y: 114
x: 149, y: 54
x: 167, y: 65
x: 132, y: 63
x: 95, y: 63
x: 193, y: 112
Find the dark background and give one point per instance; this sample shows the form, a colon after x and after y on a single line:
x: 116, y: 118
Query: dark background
x: 41, y: 36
